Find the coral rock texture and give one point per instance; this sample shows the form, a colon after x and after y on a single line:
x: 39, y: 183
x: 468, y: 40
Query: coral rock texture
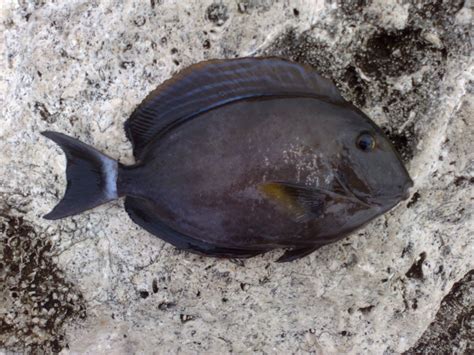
x: 98, y: 283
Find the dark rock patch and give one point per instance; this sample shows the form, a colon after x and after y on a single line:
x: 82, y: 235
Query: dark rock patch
x: 404, y: 141
x: 366, y: 310
x: 416, y: 270
x: 37, y: 299
x: 394, y: 53
x: 451, y: 332
x: 217, y: 13
x: 414, y: 199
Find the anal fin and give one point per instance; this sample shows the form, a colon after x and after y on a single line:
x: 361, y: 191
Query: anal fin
x: 294, y: 254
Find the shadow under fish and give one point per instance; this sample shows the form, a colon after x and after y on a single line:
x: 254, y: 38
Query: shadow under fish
x: 238, y: 157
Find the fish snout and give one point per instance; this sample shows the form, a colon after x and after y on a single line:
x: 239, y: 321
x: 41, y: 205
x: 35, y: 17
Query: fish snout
x: 407, y: 189
x: 401, y: 192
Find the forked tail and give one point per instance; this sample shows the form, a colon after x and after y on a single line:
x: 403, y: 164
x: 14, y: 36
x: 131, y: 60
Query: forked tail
x: 91, y: 177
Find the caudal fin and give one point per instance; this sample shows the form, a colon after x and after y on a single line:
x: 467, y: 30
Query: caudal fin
x: 91, y: 177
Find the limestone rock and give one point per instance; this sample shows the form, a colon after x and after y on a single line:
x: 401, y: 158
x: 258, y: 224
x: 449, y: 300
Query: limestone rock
x: 82, y: 67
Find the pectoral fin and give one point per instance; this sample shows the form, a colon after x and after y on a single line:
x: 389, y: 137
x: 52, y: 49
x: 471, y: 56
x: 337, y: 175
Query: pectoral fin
x: 302, y: 202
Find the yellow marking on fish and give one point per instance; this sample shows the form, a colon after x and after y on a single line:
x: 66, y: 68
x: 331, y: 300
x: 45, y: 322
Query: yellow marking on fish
x: 279, y: 193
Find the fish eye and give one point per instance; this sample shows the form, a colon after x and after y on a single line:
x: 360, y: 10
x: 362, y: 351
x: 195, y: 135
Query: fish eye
x: 365, y: 142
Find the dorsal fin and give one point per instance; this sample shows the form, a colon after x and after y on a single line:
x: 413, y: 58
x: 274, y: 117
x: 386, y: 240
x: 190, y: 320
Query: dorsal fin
x: 207, y: 85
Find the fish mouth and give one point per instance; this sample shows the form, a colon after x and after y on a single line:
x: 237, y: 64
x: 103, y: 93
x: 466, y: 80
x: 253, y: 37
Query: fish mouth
x: 408, y: 189
x: 378, y: 200
x: 392, y: 199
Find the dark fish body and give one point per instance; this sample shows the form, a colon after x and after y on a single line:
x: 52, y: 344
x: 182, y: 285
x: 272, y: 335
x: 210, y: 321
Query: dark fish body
x: 239, y: 157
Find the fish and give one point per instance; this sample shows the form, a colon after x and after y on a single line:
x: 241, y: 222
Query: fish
x: 238, y: 157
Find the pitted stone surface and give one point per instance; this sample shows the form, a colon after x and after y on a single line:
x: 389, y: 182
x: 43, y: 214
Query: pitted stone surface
x: 81, y: 68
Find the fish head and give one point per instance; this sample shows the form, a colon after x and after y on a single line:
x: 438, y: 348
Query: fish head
x: 369, y: 167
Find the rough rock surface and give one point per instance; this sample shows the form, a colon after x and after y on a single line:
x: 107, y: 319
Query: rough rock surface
x: 81, y: 67
x: 453, y: 328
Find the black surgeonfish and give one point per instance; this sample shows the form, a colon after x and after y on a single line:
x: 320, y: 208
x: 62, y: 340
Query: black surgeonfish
x: 238, y: 157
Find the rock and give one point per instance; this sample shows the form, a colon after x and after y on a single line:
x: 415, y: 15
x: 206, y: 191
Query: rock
x: 451, y: 331
x: 81, y: 68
